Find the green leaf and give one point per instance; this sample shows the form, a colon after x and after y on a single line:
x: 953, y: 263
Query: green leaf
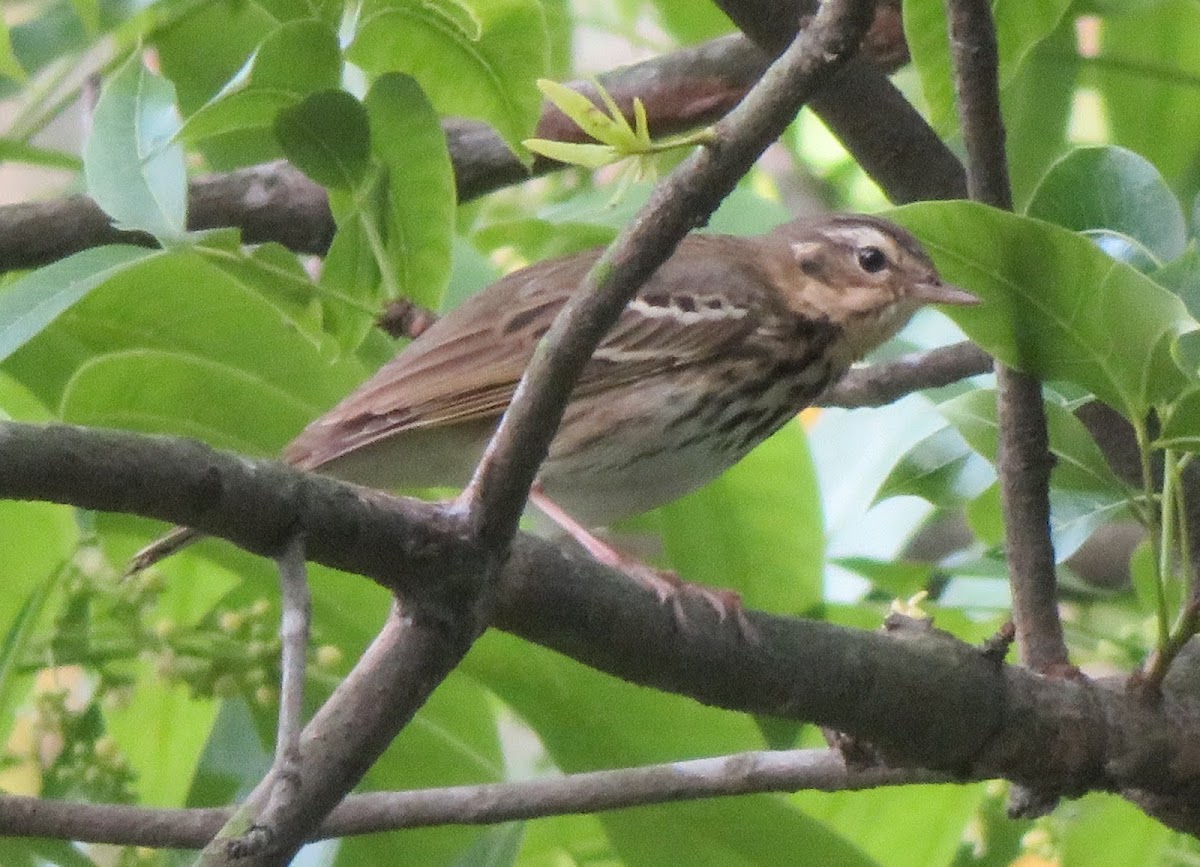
x: 10, y: 67
x: 1037, y: 107
x: 89, y: 13
x: 590, y: 156
x: 350, y: 270
x: 162, y: 732
x: 327, y: 136
x: 1084, y: 494
x: 1181, y: 428
x: 204, y: 50
x: 483, y: 66
x: 407, y: 138
x: 915, y: 826
x: 142, y: 390
x: 899, y: 578
x: 587, y: 720
x: 691, y: 24
x: 32, y: 302
x: 1056, y: 306
x: 180, y: 303
x: 610, y: 128
x: 297, y: 59
x: 1149, y: 87
x: 1079, y: 463
x: 1089, y: 839
x: 1183, y: 278
x: 134, y: 169
x: 1112, y: 188
x: 275, y: 274
x: 758, y: 528
x: 31, y: 585
x: 1019, y: 28
x: 941, y: 468
x: 22, y: 152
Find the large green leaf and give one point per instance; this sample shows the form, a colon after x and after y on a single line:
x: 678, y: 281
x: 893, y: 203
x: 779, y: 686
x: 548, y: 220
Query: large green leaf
x: 1112, y: 188
x: 277, y: 277
x: 1019, y: 28
x: 941, y: 468
x: 134, y: 168
x: 910, y: 827
x: 327, y: 136
x: 1090, y: 838
x: 182, y: 303
x: 407, y: 139
x: 1055, y: 305
x: 1084, y: 492
x: 143, y: 390
x: 295, y: 60
x: 588, y: 721
x: 32, y: 302
x: 758, y: 528
x: 476, y: 59
x: 1037, y: 107
x: 1146, y: 73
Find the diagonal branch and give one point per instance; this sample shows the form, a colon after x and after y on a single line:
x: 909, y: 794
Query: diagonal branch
x: 497, y: 493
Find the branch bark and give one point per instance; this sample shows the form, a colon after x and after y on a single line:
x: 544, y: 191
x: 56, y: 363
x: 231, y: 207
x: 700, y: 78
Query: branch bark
x: 1024, y: 457
x: 375, y: 812
x: 921, y: 697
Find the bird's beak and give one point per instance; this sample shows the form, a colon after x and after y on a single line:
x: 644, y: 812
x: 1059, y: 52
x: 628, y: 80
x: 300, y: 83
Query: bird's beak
x: 937, y: 292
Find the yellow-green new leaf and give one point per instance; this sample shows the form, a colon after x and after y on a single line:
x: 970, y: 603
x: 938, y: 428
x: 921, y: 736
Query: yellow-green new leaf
x: 590, y: 156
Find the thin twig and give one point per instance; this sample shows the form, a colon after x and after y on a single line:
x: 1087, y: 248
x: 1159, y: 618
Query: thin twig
x: 295, y: 621
x: 490, y: 803
x: 497, y: 492
x: 887, y: 382
x: 1024, y: 458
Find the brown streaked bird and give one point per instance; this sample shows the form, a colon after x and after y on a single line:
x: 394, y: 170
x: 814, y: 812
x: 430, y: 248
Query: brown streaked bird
x: 729, y: 339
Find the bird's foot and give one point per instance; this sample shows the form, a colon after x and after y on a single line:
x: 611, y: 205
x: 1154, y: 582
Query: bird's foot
x: 670, y: 590
x: 664, y: 584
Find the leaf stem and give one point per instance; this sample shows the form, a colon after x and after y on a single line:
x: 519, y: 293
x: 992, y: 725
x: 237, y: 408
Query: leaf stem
x: 1155, y: 528
x: 387, y: 274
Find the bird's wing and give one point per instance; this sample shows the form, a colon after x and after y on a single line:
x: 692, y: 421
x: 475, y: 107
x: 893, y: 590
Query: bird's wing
x: 467, y: 365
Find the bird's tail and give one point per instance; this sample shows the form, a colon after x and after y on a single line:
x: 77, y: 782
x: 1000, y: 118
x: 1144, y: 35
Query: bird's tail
x: 165, y: 546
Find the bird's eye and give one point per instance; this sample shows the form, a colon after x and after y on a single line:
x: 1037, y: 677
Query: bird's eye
x: 871, y: 259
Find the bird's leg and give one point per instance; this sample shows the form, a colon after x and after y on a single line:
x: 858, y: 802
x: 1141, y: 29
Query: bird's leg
x: 664, y: 584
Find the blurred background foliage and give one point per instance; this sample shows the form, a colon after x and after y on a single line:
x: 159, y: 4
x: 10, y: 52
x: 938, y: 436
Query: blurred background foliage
x: 161, y: 691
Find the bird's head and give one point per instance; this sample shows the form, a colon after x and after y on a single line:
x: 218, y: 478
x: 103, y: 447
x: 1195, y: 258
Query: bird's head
x: 862, y: 273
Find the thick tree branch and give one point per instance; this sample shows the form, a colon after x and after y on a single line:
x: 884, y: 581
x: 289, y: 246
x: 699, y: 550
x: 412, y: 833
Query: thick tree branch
x: 497, y: 493
x: 591, y: 792
x: 1024, y: 459
x: 924, y: 699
